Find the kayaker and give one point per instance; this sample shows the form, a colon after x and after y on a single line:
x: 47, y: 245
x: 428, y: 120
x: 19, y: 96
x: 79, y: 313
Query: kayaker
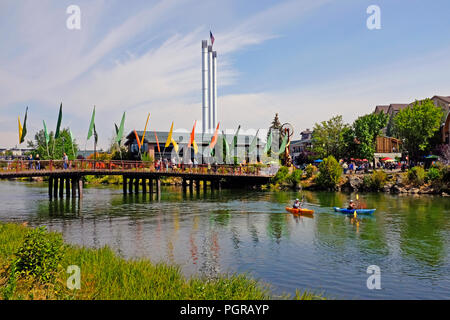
x: 296, y: 204
x: 351, y: 205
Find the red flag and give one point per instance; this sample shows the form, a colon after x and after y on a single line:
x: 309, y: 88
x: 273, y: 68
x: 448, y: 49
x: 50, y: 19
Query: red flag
x: 157, y: 142
x: 137, y: 139
x: 214, y: 138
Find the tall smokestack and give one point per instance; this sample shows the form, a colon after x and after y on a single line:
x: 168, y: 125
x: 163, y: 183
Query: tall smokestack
x: 205, y: 91
x: 214, y: 91
x: 210, y: 87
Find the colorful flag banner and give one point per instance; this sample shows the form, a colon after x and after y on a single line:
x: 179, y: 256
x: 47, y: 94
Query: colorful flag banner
x: 254, y: 142
x: 226, y: 146
x: 157, y: 142
x: 24, y: 128
x: 169, y: 137
x: 235, y: 139
x: 20, y: 129
x: 214, y: 138
x: 58, y: 124
x: 175, y: 145
x: 91, y: 125
x: 269, y: 142
x: 145, y: 129
x: 47, y: 137
x: 120, y: 130
x: 192, y: 140
x: 137, y: 139
x: 283, y: 144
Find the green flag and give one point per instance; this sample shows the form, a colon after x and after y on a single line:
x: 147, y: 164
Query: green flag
x: 253, y: 144
x: 283, y: 144
x: 226, y: 146
x: 58, y: 124
x: 119, y: 130
x: 91, y: 126
x: 71, y: 140
x: 269, y: 142
x: 24, y: 130
x: 47, y: 137
x: 235, y: 139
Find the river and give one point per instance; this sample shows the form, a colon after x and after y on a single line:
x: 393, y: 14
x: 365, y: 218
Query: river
x: 250, y: 232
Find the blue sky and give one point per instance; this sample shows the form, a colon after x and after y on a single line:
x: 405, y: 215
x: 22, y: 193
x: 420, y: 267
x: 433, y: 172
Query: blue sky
x: 306, y: 60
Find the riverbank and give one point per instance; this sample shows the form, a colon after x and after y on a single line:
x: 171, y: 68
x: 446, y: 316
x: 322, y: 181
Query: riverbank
x: 34, y: 262
x: 413, y: 181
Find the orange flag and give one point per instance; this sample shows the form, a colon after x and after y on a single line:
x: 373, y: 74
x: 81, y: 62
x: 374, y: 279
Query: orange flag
x: 157, y: 142
x: 137, y: 139
x: 214, y: 138
x: 192, y: 135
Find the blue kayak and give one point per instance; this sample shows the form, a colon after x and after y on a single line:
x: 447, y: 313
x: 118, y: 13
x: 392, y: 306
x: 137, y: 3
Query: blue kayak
x: 352, y: 211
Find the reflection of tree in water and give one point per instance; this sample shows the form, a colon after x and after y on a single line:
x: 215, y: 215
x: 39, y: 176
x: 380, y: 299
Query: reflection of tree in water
x: 220, y: 217
x: 252, y: 230
x: 423, y: 228
x: 277, y: 226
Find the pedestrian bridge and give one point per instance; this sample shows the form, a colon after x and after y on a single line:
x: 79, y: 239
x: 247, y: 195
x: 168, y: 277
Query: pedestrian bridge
x: 137, y: 175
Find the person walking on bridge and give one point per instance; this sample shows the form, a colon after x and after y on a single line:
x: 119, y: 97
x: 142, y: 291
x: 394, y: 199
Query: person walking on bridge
x: 66, y: 161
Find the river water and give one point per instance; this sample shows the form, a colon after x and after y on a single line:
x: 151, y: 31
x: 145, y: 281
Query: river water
x: 408, y: 237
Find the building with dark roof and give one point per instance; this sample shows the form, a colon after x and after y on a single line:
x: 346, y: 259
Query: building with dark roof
x: 152, y: 139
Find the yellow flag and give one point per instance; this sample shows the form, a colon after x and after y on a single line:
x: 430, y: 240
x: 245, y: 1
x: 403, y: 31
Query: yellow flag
x: 145, y: 129
x: 20, y: 129
x: 175, y: 145
x: 194, y: 144
x: 169, y: 137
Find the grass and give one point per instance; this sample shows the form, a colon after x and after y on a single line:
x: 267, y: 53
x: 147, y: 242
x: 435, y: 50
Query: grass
x: 106, y: 276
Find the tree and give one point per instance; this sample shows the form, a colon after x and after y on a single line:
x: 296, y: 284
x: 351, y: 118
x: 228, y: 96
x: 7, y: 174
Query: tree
x: 275, y: 127
x: 361, y: 138
x: 328, y: 137
x: 62, y: 144
x: 330, y: 172
x: 416, y: 126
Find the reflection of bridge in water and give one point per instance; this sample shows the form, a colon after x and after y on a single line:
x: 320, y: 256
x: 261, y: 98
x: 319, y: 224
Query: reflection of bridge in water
x: 137, y: 175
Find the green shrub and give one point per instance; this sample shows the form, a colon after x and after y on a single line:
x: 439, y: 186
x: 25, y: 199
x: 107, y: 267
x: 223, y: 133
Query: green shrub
x: 433, y: 174
x: 378, y: 179
x: 416, y: 175
x: 281, y: 175
x: 310, y: 170
x: 329, y: 173
x: 39, y: 255
x: 295, y: 177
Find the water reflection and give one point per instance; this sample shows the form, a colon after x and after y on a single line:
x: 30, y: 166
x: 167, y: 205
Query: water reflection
x: 237, y: 231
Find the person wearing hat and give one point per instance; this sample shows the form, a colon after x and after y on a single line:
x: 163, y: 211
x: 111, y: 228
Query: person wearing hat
x: 351, y: 205
x: 296, y: 204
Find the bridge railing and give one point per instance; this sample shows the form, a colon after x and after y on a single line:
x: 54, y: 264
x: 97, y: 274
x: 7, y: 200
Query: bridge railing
x: 106, y: 166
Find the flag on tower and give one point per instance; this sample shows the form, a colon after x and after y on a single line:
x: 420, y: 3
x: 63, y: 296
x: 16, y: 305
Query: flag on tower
x: 211, y: 37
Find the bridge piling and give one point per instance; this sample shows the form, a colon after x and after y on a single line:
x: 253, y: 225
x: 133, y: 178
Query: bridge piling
x: 55, y: 188
x: 150, y: 184
x: 67, y: 188
x: 61, y: 187
x: 197, y: 186
x: 136, y: 185
x: 205, y: 186
x: 130, y: 185
x: 50, y: 187
x: 158, y: 187
x: 144, y: 185
x: 80, y: 188
x: 183, y: 184
x: 124, y: 184
x: 74, y: 188
x: 191, y: 186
